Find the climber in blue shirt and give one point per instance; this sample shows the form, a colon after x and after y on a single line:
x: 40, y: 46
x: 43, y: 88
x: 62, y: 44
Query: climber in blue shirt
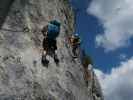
x: 50, y: 32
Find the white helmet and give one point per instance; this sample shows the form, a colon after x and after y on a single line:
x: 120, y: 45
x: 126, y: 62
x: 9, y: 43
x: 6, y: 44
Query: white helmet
x: 76, y: 35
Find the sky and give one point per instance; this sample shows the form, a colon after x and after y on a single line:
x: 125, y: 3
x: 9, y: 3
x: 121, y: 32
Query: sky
x: 106, y: 30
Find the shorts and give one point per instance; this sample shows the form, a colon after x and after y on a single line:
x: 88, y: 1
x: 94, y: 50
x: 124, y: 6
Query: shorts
x: 49, y: 44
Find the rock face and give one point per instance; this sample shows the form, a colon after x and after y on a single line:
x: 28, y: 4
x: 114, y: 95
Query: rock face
x: 22, y: 76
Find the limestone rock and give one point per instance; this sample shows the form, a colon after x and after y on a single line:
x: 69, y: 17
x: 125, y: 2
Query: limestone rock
x: 22, y: 76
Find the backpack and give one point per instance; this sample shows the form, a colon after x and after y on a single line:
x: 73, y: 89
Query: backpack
x: 53, y: 29
x: 55, y: 22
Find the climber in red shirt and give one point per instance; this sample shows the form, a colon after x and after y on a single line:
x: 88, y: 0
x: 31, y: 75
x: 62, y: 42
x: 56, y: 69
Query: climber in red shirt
x: 75, y: 44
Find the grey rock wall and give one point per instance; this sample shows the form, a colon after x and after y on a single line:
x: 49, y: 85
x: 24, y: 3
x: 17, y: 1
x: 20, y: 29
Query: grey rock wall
x: 22, y: 76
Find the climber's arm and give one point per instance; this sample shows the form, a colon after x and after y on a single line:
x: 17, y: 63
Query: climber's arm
x: 44, y: 31
x: 79, y: 42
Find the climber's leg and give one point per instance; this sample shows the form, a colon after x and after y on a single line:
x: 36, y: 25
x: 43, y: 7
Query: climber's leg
x: 45, y: 51
x: 56, y: 57
x: 44, y: 60
x: 74, y: 51
x: 86, y: 76
x: 54, y: 49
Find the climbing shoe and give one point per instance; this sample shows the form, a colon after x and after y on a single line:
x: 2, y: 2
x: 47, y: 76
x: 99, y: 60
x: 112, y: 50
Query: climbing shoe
x: 45, y: 62
x: 74, y: 56
x: 56, y: 60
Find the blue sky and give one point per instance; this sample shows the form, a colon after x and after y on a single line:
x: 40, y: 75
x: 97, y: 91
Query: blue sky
x: 89, y: 26
x: 106, y: 28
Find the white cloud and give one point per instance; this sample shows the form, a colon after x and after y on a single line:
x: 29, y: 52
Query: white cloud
x: 118, y: 85
x: 123, y: 57
x: 117, y: 19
